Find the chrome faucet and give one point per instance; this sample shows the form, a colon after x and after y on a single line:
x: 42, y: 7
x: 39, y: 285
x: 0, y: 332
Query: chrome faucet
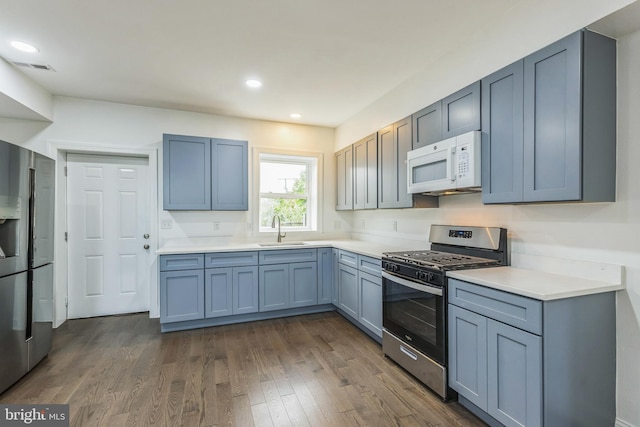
x: 273, y: 225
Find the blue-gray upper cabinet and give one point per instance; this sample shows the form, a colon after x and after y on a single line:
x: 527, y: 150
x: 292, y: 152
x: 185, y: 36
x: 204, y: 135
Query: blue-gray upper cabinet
x: 229, y: 175
x: 427, y: 125
x: 461, y: 111
x: 186, y: 163
x: 365, y: 173
x: 204, y: 173
x: 502, y: 137
x: 344, y: 179
x: 568, y: 125
x: 394, y: 142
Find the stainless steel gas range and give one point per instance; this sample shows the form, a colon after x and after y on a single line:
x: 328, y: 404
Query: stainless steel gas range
x: 414, y: 294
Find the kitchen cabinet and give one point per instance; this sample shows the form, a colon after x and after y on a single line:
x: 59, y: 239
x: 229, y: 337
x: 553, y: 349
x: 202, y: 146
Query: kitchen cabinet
x: 558, y: 108
x: 370, y: 298
x: 365, y: 173
x: 181, y: 288
x: 204, y: 173
x: 348, y: 290
x: 427, y: 125
x: 461, y: 111
x: 522, y: 362
x: 231, y: 283
x: 325, y: 275
x: 344, y: 179
x: 394, y: 142
x: 288, y: 285
x: 229, y: 175
x: 360, y: 290
x: 336, y: 277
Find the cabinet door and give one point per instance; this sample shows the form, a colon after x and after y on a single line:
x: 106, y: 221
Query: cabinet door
x: 325, y: 275
x: 514, y: 375
x: 274, y: 287
x: 461, y: 111
x: 468, y: 355
x: 370, y: 295
x: 552, y: 121
x: 245, y: 290
x: 181, y: 295
x: 186, y: 171
x: 394, y: 142
x: 335, y: 253
x: 365, y: 173
x: 427, y: 125
x: 502, y: 135
x: 229, y: 175
x: 344, y: 179
x: 303, y: 284
x: 218, y: 292
x: 348, y: 289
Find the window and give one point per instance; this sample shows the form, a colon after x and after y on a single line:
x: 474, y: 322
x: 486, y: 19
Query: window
x: 288, y: 188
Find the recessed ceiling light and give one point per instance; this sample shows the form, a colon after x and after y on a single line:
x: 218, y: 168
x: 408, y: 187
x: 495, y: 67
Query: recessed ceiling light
x: 253, y: 83
x: 25, y: 47
x: 295, y: 115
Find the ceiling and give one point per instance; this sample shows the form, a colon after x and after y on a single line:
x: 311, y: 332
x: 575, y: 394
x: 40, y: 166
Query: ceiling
x: 324, y: 59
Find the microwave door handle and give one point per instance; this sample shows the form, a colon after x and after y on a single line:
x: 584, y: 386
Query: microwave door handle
x: 453, y: 161
x: 413, y: 285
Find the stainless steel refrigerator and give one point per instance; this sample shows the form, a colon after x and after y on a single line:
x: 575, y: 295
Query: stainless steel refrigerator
x: 26, y: 260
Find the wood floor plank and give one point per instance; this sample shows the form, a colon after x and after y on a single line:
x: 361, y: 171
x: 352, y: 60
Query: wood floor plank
x: 317, y: 370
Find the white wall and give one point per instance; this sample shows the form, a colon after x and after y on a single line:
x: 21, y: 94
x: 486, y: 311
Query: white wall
x: 605, y: 232
x: 109, y: 127
x: 22, y: 97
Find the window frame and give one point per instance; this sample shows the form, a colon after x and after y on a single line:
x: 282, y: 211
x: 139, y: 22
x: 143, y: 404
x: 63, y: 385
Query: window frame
x: 314, y: 187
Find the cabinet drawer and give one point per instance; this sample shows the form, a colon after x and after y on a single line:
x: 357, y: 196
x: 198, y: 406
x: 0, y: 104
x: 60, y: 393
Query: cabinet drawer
x: 370, y: 265
x: 348, y: 258
x: 518, y: 311
x: 230, y: 259
x: 286, y: 256
x: 181, y: 262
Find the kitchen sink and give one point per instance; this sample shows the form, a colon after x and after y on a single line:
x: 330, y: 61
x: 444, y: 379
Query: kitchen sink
x: 282, y: 244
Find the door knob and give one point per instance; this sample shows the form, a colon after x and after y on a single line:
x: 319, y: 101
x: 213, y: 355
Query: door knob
x: 146, y: 246
x: 146, y: 236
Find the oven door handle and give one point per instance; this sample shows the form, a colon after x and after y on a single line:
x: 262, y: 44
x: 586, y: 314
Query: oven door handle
x: 413, y: 285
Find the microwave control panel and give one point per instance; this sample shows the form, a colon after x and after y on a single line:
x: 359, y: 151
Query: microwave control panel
x: 467, y: 158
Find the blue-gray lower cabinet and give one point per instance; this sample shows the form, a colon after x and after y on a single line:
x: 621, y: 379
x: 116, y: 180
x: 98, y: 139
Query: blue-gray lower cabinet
x: 370, y: 297
x: 245, y: 290
x: 231, y: 291
x: 181, y: 295
x: 325, y: 275
x: 516, y: 361
x: 285, y: 286
x: 496, y: 367
x: 335, y: 253
x: 274, y: 287
x: 348, y: 290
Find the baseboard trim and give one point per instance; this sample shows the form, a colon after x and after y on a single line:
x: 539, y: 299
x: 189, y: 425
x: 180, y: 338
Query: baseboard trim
x: 620, y: 423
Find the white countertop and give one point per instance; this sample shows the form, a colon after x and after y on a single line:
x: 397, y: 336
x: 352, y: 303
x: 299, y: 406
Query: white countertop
x: 535, y: 284
x: 358, y: 246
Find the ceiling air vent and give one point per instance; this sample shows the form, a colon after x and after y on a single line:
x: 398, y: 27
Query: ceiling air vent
x: 34, y: 66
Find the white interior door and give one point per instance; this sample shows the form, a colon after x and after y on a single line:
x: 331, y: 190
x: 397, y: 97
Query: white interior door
x: 107, y: 217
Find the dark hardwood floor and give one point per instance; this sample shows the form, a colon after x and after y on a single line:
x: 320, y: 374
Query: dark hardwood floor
x: 315, y: 370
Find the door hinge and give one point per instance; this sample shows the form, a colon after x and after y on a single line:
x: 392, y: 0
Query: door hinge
x: 65, y: 171
x: 66, y: 236
x: 66, y: 301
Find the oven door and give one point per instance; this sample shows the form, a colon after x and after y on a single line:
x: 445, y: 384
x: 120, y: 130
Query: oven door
x: 415, y: 313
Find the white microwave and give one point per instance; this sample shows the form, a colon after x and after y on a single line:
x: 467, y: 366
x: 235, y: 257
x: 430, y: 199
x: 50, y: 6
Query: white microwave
x: 447, y: 167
